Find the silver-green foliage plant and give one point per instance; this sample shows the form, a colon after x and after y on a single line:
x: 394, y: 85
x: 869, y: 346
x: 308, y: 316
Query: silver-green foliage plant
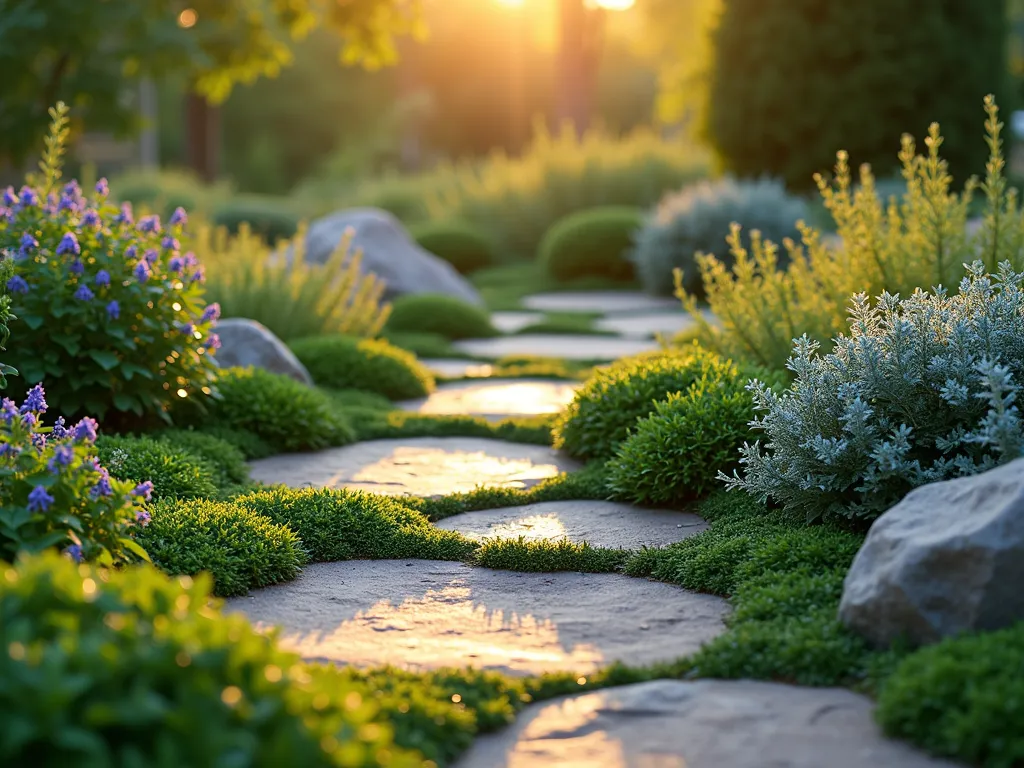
x: 698, y: 218
x: 922, y: 389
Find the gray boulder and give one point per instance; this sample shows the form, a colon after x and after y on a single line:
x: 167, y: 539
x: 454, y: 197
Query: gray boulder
x: 247, y: 343
x: 947, y: 559
x: 388, y: 252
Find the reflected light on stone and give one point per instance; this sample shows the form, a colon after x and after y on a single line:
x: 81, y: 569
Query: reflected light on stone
x: 532, y: 528
x: 514, y: 399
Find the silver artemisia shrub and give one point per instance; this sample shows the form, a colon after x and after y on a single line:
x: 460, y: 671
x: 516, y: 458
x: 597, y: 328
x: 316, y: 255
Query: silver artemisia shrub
x: 922, y: 389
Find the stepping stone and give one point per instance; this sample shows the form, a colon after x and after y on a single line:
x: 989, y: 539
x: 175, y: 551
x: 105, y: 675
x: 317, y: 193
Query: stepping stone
x: 511, y: 322
x: 423, y: 466
x: 599, y: 523
x: 568, y: 346
x: 453, y: 368
x: 701, y: 724
x: 497, y: 398
x: 647, y: 325
x: 421, y: 614
x: 604, y: 302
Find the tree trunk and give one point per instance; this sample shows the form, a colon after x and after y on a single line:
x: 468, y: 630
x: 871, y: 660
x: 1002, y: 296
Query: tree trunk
x: 579, y: 56
x: 202, y: 132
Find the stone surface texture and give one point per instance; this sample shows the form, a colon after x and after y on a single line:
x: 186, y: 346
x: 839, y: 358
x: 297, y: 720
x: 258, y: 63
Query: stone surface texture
x: 647, y: 325
x: 247, y: 343
x: 388, y: 252
x: 701, y: 724
x: 421, y: 614
x: 513, y: 322
x: 567, y: 346
x: 426, y: 466
x: 603, y: 302
x: 497, y: 398
x: 599, y: 523
x: 947, y: 559
x: 454, y: 368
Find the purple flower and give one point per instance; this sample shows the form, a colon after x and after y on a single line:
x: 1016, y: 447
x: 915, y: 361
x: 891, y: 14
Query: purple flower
x: 102, y: 487
x: 9, y: 197
x: 211, y: 313
x: 28, y: 197
x: 102, y: 188
x: 17, y: 284
x: 29, y: 420
x: 114, y: 310
x: 102, y: 278
x: 142, y: 517
x: 72, y: 189
x: 126, y: 216
x: 28, y: 244
x: 188, y: 329
x: 63, y: 455
x: 213, y: 341
x: 152, y: 256
x: 145, y: 490
x: 176, y: 265
x: 149, y: 224
x: 38, y: 439
x: 39, y: 500
x: 59, y: 430
x: 74, y: 552
x: 8, y: 410
x: 179, y: 217
x: 170, y: 243
x: 191, y: 260
x: 35, y: 400
x: 77, y: 267
x: 6, y: 449
x: 91, y: 219
x: 84, y: 293
x: 131, y: 252
x: 85, y: 430
x: 141, y: 271
x: 199, y: 276
x: 69, y: 244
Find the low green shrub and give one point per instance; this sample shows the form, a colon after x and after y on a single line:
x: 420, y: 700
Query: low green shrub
x: 344, y: 362
x: 697, y: 220
x: 105, y: 668
x: 241, y: 549
x: 609, y: 404
x: 174, y: 472
x: 251, y: 445
x: 54, y: 493
x: 165, y: 190
x: 378, y: 425
x: 593, y: 242
x: 267, y: 217
x: 285, y: 414
x: 435, y: 313
x: 423, y: 345
x: 962, y: 698
x: 224, y: 458
x: 548, y: 556
x: 345, y: 525
x: 462, y: 245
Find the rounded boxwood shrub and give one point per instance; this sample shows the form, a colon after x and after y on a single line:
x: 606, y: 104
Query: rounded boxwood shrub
x: 287, y: 415
x: 225, y: 459
x: 698, y: 220
x: 593, y: 242
x: 186, y: 685
x: 110, y: 310
x: 241, y: 549
x: 345, y: 362
x: 266, y: 217
x: 173, y: 472
x: 460, y: 244
x: 608, y: 405
x: 435, y: 313
x: 962, y: 698
x: 251, y: 445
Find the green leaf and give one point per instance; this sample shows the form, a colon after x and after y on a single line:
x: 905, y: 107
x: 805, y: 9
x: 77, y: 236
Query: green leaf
x: 108, y: 361
x: 68, y: 341
x: 125, y: 402
x: 134, y: 546
x: 35, y: 322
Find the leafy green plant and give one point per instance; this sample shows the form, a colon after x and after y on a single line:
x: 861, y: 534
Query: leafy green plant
x: 225, y: 460
x: 918, y: 240
x: 55, y: 494
x: 548, y: 556
x: 961, y: 698
x: 609, y: 404
x: 186, y: 686
x: 922, y: 390
x: 343, y: 362
x: 267, y: 217
x: 164, y: 191
x: 593, y: 242
x: 344, y: 525
x: 291, y: 297
x: 698, y: 219
x: 6, y: 271
x: 462, y: 245
x: 251, y: 445
x: 436, y: 313
x: 174, y: 473
x: 111, y: 313
x: 242, y: 550
x: 280, y: 411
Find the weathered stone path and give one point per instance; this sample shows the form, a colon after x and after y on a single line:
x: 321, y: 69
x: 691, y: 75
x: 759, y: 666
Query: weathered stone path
x: 497, y: 398
x: 566, y: 346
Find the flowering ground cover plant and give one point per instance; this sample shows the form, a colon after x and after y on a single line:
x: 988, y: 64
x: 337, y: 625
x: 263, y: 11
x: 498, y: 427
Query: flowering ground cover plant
x: 6, y: 272
x: 54, y: 493
x: 110, y: 309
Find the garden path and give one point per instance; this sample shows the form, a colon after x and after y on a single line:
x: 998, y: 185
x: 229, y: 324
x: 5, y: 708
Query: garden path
x: 497, y: 398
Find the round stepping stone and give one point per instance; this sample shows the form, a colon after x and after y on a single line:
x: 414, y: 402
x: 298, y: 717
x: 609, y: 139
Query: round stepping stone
x: 599, y: 523
x: 567, y: 346
x: 701, y: 724
x: 453, y: 368
x: 497, y: 398
x: 424, y: 466
x: 511, y: 322
x: 421, y: 614
x: 604, y: 302
x: 646, y: 325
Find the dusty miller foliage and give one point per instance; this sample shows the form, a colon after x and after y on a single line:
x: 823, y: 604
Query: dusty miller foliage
x: 922, y: 389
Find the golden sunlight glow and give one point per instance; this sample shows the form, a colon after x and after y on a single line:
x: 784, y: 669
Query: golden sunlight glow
x: 188, y: 18
x: 612, y: 5
x: 511, y: 3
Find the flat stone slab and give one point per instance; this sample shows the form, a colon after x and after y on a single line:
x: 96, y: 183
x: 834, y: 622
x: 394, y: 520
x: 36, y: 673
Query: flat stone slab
x: 423, y: 466
x: 604, y: 302
x: 567, y: 346
x: 701, y: 724
x: 454, y: 368
x: 646, y: 325
x: 497, y: 398
x: 420, y: 614
x: 599, y: 523
x: 513, y: 322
